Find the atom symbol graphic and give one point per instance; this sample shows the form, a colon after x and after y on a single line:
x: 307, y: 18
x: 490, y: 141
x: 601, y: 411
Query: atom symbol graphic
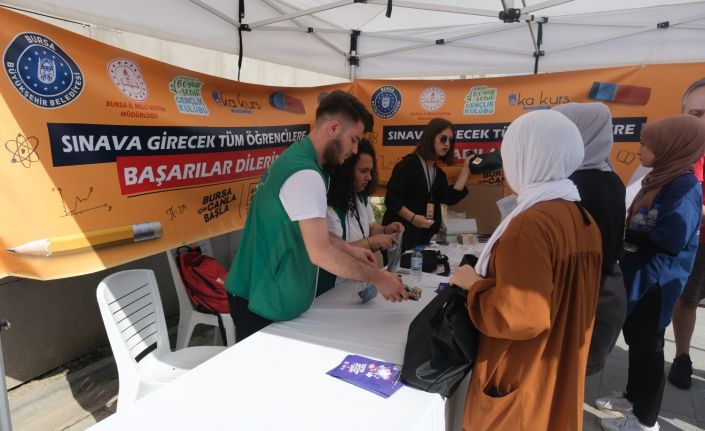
x: 23, y: 150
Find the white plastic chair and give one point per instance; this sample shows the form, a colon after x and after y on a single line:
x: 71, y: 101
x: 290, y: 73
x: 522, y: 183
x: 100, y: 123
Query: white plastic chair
x: 188, y: 316
x: 133, y: 316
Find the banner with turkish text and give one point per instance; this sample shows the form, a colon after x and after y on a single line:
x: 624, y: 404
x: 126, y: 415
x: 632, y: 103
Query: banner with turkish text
x: 108, y: 156
x: 481, y: 109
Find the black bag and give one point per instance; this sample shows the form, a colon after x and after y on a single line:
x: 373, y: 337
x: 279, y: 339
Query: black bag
x: 485, y: 162
x: 431, y: 260
x: 469, y: 259
x: 441, y: 345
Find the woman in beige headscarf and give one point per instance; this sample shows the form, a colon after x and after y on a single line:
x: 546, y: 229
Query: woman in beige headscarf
x: 534, y: 293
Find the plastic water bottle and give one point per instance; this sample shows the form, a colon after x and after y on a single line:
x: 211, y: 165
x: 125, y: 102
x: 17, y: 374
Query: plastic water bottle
x: 638, y: 221
x: 416, y: 263
x: 651, y: 217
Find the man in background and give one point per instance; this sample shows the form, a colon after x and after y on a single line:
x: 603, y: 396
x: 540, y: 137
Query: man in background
x: 684, y: 314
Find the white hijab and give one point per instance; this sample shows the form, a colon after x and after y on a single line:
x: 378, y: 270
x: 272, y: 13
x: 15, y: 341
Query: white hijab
x: 539, y: 151
x: 595, y: 124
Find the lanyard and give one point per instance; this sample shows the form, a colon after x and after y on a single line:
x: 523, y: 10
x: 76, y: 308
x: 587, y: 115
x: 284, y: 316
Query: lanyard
x: 359, y: 223
x: 427, y: 173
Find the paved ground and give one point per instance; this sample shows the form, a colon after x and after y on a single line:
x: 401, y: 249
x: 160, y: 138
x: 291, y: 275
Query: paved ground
x: 680, y: 410
x: 76, y: 400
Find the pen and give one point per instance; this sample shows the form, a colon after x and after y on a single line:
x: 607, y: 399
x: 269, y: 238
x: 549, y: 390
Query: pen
x: 98, y: 238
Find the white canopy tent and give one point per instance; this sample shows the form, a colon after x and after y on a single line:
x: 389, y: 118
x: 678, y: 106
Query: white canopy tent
x: 355, y: 38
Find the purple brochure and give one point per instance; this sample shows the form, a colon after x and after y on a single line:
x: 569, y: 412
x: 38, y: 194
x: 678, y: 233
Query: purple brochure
x: 381, y: 378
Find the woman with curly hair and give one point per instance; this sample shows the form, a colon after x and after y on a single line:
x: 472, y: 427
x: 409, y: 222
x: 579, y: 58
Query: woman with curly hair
x: 349, y: 212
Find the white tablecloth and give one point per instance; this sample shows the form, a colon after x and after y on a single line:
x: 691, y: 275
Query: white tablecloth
x: 276, y: 379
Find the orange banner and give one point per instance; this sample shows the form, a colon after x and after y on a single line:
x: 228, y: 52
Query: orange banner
x: 481, y: 109
x: 108, y: 156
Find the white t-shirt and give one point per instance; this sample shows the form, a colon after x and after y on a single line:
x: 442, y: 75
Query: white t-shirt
x: 304, y: 195
x: 352, y: 227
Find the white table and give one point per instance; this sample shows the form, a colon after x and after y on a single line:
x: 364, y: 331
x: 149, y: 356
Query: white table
x: 276, y: 379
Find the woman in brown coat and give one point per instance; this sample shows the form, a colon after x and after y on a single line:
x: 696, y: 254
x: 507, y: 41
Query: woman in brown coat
x: 533, y: 292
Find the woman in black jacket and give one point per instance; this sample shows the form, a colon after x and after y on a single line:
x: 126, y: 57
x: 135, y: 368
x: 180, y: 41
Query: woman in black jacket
x: 602, y: 194
x: 418, y: 187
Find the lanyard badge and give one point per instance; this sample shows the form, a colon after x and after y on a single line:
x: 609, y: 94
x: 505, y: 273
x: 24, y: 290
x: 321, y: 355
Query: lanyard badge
x: 429, y: 182
x: 429, y: 211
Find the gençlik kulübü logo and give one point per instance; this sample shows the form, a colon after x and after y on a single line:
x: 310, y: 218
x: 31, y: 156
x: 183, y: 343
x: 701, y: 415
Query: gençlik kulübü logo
x: 386, y: 102
x: 41, y: 71
x: 187, y: 95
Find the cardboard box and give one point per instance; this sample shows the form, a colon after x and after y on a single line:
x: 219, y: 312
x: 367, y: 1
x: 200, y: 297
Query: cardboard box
x: 481, y: 204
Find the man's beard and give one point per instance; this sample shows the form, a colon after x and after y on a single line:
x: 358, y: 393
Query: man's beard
x: 332, y: 153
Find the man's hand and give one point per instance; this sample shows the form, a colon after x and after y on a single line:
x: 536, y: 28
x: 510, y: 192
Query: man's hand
x: 390, y: 286
x: 381, y: 241
x: 465, y: 277
x: 363, y: 255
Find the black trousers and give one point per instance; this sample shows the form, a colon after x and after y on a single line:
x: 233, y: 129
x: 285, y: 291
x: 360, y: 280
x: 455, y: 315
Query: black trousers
x: 646, y: 376
x: 246, y: 322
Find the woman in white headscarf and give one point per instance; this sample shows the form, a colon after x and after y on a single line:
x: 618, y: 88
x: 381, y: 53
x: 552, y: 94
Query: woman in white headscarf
x: 533, y: 292
x: 602, y: 194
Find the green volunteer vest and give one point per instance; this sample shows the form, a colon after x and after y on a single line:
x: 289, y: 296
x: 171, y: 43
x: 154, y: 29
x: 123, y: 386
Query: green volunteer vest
x: 271, y: 268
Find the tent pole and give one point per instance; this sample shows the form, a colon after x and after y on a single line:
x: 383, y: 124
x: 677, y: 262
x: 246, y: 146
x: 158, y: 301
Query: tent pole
x: 631, y: 32
x: 543, y: 5
x: 5, y: 422
x: 435, y: 7
x: 308, y: 29
x: 538, y: 53
x: 353, y: 59
x: 300, y: 13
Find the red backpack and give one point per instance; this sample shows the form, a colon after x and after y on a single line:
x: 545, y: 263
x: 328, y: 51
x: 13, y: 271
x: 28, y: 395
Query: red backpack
x: 204, y: 280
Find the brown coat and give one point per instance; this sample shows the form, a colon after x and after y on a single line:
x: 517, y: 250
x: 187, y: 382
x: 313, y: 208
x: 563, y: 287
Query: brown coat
x: 535, y: 312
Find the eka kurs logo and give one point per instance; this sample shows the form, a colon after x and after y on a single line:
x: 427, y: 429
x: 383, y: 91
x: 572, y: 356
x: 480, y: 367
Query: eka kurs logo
x: 41, y: 71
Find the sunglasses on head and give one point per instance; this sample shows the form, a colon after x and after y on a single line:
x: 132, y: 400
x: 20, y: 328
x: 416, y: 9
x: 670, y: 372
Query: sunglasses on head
x: 446, y: 138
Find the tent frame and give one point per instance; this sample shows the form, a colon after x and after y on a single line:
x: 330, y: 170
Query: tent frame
x: 507, y: 14
x: 352, y: 55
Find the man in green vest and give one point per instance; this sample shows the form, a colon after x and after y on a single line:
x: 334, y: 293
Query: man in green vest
x: 285, y: 240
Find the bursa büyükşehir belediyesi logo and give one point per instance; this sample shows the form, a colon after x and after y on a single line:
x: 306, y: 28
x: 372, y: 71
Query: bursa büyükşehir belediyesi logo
x: 386, y: 102
x: 41, y: 71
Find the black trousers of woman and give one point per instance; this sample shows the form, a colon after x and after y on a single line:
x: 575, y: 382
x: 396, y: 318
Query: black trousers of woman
x: 646, y: 376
